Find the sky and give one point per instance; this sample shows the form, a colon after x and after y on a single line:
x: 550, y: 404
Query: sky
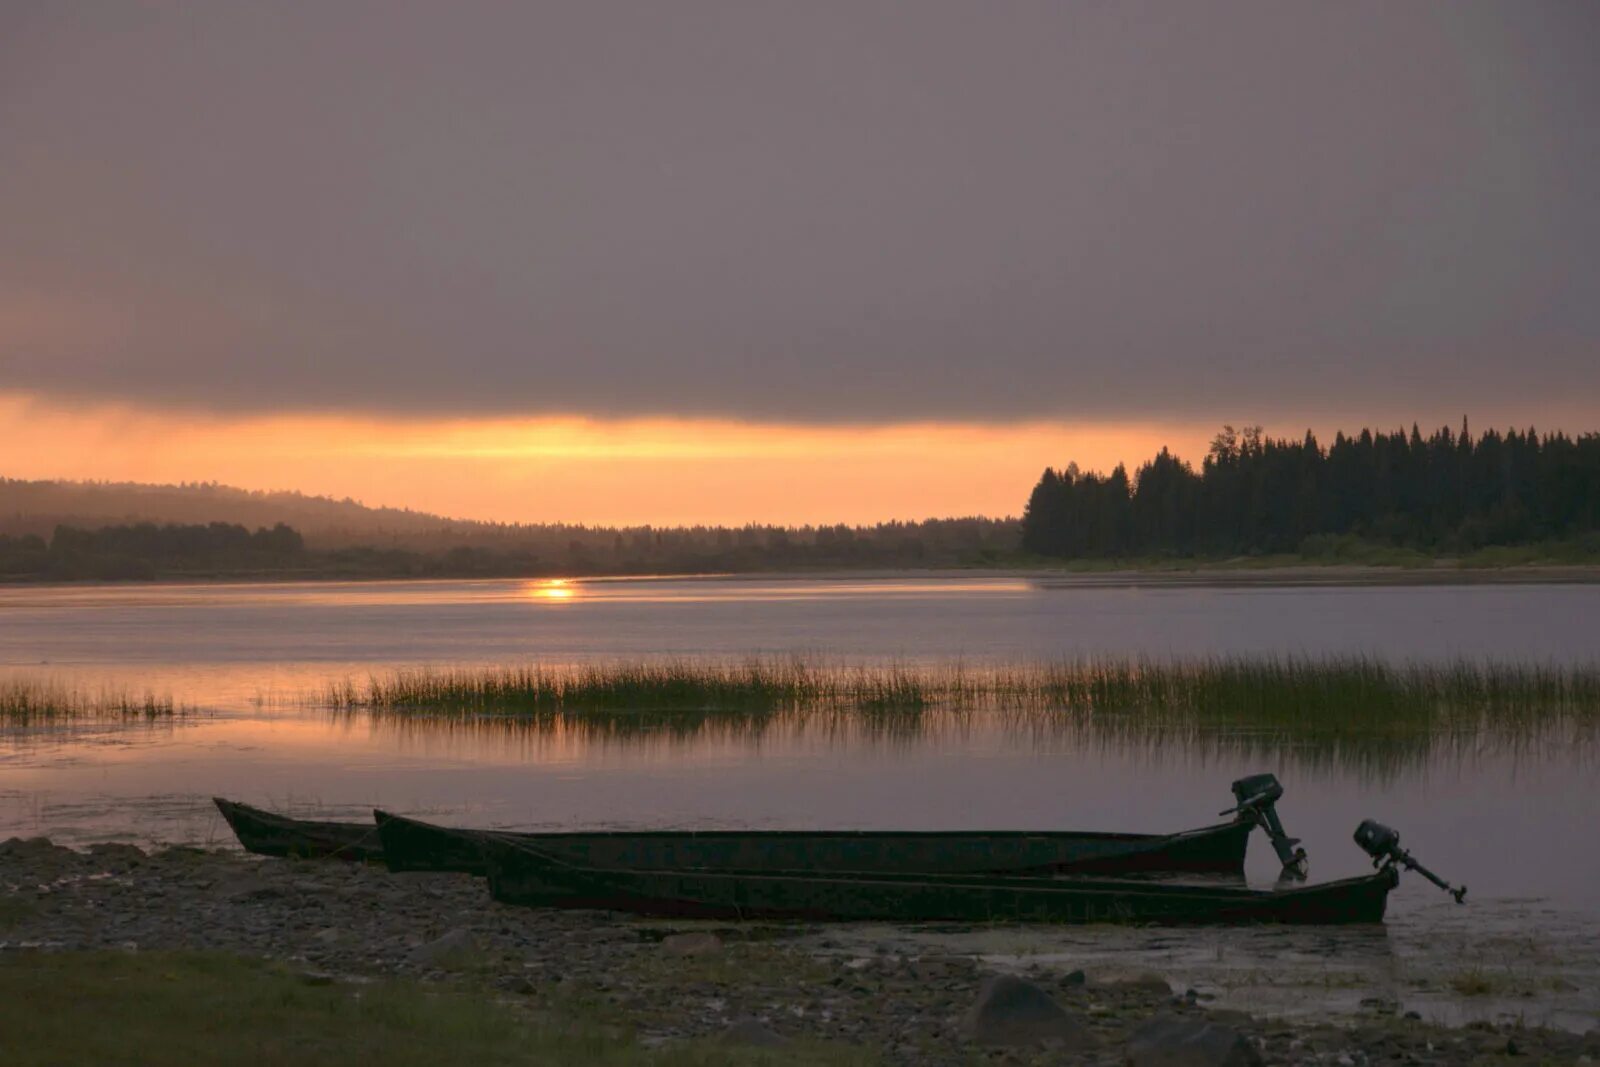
x: 777, y: 262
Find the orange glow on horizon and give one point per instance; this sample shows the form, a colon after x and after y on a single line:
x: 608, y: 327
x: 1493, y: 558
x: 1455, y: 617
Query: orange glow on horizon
x: 569, y: 468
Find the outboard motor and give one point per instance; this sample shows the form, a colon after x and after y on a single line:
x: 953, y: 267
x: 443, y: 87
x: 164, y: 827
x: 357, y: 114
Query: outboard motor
x: 1257, y: 797
x: 1383, y: 845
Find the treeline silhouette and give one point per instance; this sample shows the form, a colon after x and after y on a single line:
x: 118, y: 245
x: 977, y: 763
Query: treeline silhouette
x: 345, y: 537
x: 1446, y: 494
x: 146, y: 550
x: 229, y: 550
x: 1443, y: 494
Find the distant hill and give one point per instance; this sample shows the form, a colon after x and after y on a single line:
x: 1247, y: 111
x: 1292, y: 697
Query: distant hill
x: 465, y: 546
x: 39, y: 507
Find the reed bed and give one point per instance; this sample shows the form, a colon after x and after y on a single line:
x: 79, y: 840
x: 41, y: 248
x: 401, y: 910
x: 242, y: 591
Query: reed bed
x: 27, y: 702
x: 731, y: 690
x: 1351, y: 700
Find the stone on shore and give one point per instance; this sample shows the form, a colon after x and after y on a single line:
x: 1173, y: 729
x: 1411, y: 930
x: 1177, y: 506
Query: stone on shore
x: 1148, y: 982
x: 117, y: 855
x: 753, y: 1032
x: 457, y: 940
x: 249, y: 888
x: 694, y: 943
x: 1175, y: 1041
x: 1011, y: 1011
x: 38, y: 852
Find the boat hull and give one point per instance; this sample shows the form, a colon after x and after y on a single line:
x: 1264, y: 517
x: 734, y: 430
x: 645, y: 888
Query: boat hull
x: 269, y: 834
x: 410, y: 845
x: 519, y: 875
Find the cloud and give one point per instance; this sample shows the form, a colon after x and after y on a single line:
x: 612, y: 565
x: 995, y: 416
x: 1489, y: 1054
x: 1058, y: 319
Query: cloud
x: 578, y: 469
x: 851, y: 212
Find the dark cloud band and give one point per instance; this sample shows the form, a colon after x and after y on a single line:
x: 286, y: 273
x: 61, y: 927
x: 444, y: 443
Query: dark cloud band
x: 804, y: 212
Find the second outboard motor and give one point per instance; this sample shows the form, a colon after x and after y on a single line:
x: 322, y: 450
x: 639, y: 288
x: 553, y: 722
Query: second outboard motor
x: 1383, y: 845
x: 1257, y: 796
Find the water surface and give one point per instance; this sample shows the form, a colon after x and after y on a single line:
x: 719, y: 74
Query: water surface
x: 1514, y: 822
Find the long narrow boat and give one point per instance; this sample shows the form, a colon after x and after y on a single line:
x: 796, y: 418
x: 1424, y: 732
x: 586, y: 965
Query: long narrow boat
x: 277, y: 835
x: 410, y: 845
x: 522, y: 875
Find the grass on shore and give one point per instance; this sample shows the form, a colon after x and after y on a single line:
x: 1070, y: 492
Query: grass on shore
x: 1341, y: 697
x: 185, y: 1008
x: 25, y: 702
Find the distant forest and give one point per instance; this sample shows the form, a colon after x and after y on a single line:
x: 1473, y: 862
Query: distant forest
x: 149, y: 551
x: 228, y: 550
x: 327, y: 525
x: 1372, y: 497
x: 1443, y: 494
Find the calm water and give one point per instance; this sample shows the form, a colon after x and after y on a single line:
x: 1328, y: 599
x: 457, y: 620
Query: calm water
x: 228, y: 644
x: 1517, y: 825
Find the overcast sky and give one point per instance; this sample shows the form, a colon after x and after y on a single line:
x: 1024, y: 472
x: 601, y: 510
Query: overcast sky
x: 802, y: 211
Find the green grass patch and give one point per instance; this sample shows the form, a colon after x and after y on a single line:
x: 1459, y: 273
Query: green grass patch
x: 186, y: 1008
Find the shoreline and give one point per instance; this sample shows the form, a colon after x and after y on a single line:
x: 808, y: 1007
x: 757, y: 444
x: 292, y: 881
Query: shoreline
x: 899, y: 994
x: 1443, y: 572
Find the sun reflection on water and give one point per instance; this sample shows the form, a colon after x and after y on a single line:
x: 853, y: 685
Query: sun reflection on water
x: 552, y: 589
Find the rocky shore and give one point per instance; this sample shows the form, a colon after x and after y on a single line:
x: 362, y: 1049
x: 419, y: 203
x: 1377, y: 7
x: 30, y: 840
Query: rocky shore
x: 754, y: 984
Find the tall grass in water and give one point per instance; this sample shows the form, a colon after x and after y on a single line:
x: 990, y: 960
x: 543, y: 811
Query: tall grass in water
x: 1341, y: 696
x: 1312, y: 700
x: 677, y: 694
x: 25, y: 702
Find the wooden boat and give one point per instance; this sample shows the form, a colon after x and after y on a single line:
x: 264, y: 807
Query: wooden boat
x: 519, y: 874
x: 277, y: 835
x: 410, y: 845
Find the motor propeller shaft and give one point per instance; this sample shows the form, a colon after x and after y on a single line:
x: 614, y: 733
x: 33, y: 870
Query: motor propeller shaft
x: 1257, y: 796
x: 1383, y: 845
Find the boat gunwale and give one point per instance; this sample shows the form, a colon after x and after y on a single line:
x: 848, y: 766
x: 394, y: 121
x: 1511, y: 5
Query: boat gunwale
x: 1054, y: 884
x: 284, y: 822
x: 1075, y: 835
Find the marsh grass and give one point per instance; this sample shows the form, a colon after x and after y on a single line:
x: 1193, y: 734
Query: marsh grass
x: 677, y: 697
x: 27, y: 702
x: 1351, y: 713
x: 1330, y: 698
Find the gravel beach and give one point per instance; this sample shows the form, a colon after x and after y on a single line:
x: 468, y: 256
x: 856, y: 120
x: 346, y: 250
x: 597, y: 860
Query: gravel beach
x: 351, y: 923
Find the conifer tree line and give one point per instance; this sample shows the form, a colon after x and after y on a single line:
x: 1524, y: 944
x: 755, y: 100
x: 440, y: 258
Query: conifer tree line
x: 1253, y: 494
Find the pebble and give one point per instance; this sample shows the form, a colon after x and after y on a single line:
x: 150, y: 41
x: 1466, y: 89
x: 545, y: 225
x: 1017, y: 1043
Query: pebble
x: 695, y: 943
x: 457, y: 940
x: 754, y: 1032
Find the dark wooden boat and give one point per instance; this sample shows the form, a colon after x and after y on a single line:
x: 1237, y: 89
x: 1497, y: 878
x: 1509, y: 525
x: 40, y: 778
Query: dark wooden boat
x: 277, y: 835
x: 410, y: 845
x: 522, y: 875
